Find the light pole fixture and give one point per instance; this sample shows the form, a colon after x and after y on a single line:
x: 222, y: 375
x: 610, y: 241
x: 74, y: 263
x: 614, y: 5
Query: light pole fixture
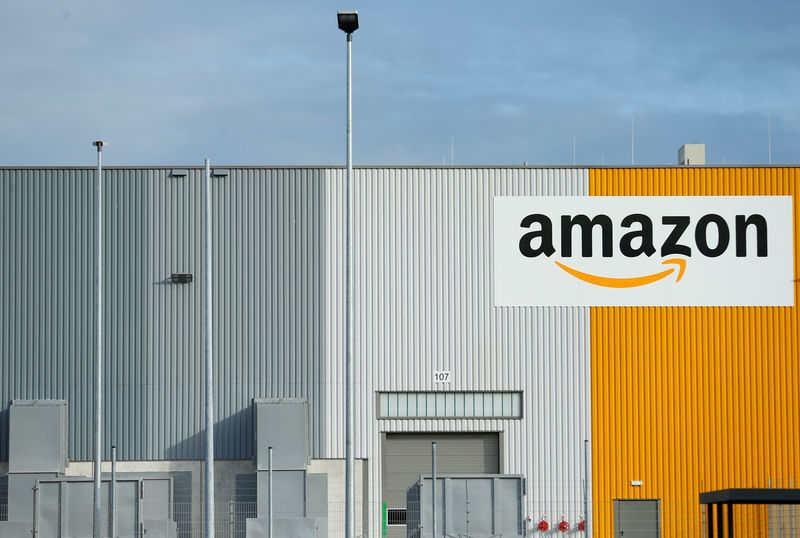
x: 98, y: 367
x: 209, y: 521
x: 348, y: 23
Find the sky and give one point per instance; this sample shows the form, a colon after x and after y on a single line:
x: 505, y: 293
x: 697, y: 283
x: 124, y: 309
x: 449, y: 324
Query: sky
x: 542, y: 82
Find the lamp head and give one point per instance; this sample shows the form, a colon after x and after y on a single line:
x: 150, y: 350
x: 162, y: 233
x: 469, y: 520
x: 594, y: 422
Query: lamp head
x: 348, y: 21
x: 99, y: 144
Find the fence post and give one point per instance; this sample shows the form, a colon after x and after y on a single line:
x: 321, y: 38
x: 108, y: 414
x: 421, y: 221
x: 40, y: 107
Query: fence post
x: 433, y: 489
x: 269, y: 492
x: 230, y: 519
x: 113, y: 491
x: 587, y: 468
x: 35, y: 529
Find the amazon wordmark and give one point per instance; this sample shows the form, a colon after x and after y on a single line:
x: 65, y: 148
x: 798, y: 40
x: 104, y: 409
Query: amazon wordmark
x: 710, y: 235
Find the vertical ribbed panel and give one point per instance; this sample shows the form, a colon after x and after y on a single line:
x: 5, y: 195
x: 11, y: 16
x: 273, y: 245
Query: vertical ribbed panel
x: 423, y: 270
x: 173, y: 403
x: 269, y: 297
x: 131, y: 416
x: 694, y: 399
x: 47, y: 261
x: 268, y: 300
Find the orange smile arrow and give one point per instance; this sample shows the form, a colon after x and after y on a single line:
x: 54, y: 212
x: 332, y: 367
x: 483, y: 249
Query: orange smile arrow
x: 632, y: 282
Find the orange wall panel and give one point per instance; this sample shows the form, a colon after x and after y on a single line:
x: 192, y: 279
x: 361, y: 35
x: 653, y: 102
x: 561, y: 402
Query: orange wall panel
x: 691, y: 399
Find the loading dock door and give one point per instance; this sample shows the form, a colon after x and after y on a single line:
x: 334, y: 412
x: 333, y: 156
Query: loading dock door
x: 637, y: 518
x: 408, y: 455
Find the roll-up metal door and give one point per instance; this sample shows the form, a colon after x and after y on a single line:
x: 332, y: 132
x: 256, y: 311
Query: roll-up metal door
x: 408, y: 455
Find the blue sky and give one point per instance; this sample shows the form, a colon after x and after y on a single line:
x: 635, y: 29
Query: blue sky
x: 262, y: 83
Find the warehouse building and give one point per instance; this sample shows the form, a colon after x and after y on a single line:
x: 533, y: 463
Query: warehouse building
x: 620, y: 340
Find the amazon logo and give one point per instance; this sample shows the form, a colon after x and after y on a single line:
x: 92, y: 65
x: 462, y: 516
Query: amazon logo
x: 643, y: 251
x: 636, y: 235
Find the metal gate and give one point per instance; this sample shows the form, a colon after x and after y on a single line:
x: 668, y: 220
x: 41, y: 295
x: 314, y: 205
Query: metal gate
x: 64, y: 508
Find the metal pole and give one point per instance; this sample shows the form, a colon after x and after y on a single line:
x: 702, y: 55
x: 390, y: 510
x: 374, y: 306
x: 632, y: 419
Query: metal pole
x: 586, y: 487
x: 35, y: 522
x: 769, y: 138
x: 98, y: 367
x: 466, y: 502
x: 209, y: 508
x: 791, y: 511
x: 113, y: 491
x: 231, y: 525
x: 350, y: 515
x: 573, y: 150
x: 269, y: 492
x: 730, y: 519
x: 433, y: 489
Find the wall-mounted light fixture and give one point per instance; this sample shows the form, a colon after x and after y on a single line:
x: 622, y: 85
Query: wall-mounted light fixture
x: 181, y: 278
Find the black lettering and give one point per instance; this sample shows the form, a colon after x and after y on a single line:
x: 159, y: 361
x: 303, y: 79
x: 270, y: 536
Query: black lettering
x: 701, y: 235
x: 544, y: 235
x: 741, y: 235
x: 586, y: 225
x: 671, y: 245
x: 645, y: 236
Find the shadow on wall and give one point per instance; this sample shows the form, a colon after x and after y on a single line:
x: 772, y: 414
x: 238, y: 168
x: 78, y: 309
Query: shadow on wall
x: 233, y: 431
x: 4, y: 430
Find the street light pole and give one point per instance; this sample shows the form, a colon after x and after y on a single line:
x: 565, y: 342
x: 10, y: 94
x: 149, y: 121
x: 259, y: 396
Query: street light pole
x: 348, y: 23
x: 98, y: 367
x: 210, y: 526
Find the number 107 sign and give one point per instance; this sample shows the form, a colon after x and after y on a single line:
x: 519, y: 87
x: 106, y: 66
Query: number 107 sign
x: 441, y: 376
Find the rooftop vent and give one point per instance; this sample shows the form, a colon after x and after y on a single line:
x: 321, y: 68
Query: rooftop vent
x: 692, y: 155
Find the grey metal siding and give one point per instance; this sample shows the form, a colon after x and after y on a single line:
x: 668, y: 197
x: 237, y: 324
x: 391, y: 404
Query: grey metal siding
x: 423, y: 300
x: 423, y: 284
x: 271, y: 296
x: 45, y: 263
x: 268, y: 301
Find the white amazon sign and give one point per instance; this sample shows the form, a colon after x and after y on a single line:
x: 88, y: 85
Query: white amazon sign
x: 643, y: 251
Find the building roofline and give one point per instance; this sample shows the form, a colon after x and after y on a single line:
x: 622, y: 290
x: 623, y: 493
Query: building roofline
x: 403, y: 167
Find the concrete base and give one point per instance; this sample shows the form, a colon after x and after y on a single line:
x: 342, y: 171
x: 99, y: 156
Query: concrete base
x: 160, y: 529
x: 15, y: 528
x: 335, y: 471
x: 299, y: 527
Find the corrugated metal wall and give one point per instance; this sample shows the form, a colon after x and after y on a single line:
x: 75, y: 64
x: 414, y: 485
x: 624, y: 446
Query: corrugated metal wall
x: 719, y: 409
x: 423, y: 285
x: 269, y: 301
x: 44, y: 261
x: 694, y: 399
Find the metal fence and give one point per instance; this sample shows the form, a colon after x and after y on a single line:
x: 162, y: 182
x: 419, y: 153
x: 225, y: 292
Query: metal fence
x: 464, y: 518
x: 607, y: 519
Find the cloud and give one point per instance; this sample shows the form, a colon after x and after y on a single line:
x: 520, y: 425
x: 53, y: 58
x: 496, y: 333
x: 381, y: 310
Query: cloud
x: 254, y: 82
